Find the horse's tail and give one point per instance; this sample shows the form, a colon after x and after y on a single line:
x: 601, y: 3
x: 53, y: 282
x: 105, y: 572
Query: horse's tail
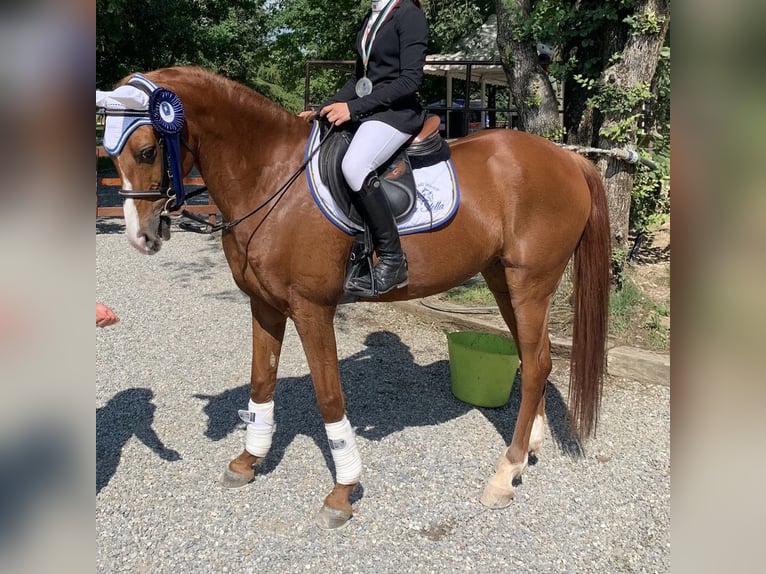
x: 592, y: 265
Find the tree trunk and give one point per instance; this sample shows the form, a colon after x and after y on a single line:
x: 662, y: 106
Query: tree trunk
x: 612, y: 121
x: 618, y: 178
x: 582, y: 120
x: 634, y: 70
x: 532, y: 92
x: 628, y: 49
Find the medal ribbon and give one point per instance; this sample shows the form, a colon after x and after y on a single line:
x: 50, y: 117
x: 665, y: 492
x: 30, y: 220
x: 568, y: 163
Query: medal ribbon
x: 367, y: 46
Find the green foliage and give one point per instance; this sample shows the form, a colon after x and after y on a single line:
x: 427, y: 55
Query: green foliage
x: 619, y: 102
x: 269, y: 82
x: 233, y: 34
x: 650, y: 203
x: 578, y: 28
x: 266, y: 43
x: 448, y: 21
x: 534, y: 100
x: 141, y: 35
x: 641, y: 112
x: 589, y: 84
x: 645, y: 24
x: 619, y: 260
x: 623, y: 304
x: 307, y: 30
x: 471, y: 294
x: 628, y: 305
x: 301, y: 31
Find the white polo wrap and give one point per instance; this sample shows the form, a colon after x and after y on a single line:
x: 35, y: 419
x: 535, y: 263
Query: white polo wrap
x: 260, y: 427
x: 345, y: 454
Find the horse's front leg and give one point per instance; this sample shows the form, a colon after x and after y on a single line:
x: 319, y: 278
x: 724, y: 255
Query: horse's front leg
x: 268, y: 333
x: 314, y: 324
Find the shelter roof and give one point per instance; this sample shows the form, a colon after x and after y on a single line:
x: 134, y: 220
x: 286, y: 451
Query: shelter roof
x: 478, y: 47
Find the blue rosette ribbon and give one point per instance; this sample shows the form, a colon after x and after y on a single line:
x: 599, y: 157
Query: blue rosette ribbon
x: 166, y: 113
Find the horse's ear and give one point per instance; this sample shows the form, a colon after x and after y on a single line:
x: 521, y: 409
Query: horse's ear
x: 123, y: 97
x: 102, y: 98
x: 125, y: 111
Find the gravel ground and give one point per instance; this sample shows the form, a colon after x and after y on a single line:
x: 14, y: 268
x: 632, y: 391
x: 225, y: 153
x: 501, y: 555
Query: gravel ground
x: 171, y: 376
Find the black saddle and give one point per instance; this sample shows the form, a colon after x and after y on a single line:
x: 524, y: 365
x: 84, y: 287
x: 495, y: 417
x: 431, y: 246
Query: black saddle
x: 396, y: 178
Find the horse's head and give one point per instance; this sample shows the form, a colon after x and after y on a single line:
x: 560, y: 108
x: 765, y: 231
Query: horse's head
x: 144, y: 127
x: 140, y: 167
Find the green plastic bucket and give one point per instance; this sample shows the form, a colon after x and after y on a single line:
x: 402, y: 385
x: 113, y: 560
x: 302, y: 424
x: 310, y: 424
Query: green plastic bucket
x: 482, y: 367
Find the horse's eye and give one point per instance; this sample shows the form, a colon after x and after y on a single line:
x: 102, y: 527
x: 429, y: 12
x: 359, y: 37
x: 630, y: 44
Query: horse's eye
x: 147, y: 154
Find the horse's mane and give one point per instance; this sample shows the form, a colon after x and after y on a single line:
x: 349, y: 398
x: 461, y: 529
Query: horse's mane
x: 207, y: 81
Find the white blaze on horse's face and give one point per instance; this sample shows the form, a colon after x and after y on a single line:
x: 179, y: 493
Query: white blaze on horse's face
x: 132, y: 225
x: 140, y: 168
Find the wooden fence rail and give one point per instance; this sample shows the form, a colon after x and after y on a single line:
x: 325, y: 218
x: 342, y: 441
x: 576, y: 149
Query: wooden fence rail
x: 208, y: 209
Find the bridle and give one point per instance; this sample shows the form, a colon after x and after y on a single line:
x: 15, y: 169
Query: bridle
x: 165, y: 114
x: 168, y: 134
x: 167, y: 190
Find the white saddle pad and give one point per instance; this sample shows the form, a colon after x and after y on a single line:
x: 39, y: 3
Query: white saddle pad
x: 438, y: 194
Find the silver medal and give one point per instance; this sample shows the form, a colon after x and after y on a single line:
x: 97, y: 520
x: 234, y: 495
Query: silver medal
x: 363, y: 87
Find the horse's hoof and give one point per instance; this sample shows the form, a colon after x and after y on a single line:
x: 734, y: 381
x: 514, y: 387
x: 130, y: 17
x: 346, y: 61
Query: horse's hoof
x: 495, y: 497
x: 231, y: 479
x: 332, y: 518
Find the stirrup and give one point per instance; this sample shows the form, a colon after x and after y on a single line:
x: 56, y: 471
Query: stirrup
x: 353, y: 287
x: 359, y: 264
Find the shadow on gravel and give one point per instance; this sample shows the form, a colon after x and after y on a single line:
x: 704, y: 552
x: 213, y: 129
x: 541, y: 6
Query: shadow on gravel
x: 386, y: 392
x: 110, y: 226
x: 188, y: 274
x: 128, y: 413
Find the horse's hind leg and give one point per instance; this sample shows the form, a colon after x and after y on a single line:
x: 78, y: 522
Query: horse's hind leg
x: 537, y: 435
x: 268, y: 332
x: 495, y: 279
x: 530, y: 299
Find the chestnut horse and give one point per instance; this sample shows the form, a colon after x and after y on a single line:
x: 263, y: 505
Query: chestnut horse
x: 527, y: 207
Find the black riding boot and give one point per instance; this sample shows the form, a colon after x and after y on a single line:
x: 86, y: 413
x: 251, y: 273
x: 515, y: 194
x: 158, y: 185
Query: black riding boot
x: 391, y: 269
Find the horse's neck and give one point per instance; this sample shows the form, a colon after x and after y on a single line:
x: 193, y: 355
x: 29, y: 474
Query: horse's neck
x: 243, y: 164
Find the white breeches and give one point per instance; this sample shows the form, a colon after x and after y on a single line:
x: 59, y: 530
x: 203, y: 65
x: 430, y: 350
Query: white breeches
x: 373, y: 145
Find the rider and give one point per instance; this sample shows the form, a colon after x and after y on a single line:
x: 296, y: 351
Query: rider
x: 381, y: 98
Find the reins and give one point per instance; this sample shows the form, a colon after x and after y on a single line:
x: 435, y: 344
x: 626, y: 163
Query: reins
x: 209, y: 229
